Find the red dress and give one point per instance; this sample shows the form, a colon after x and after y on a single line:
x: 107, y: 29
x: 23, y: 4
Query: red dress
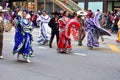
x: 64, y: 44
x: 64, y: 41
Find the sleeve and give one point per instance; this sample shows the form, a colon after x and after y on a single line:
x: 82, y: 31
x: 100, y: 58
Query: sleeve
x: 60, y: 23
x: 51, y: 23
x: 38, y: 20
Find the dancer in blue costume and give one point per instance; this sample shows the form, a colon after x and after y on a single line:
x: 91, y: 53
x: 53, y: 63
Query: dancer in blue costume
x: 23, y: 36
x: 94, y: 29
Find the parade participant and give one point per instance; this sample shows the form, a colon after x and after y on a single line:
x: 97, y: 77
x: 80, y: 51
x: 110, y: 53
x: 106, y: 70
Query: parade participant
x: 23, y: 37
x: 74, y: 15
x: 61, y: 14
x: 17, y: 9
x: 7, y: 22
x: 118, y: 38
x: 94, y: 29
x: 64, y: 42
x: 103, y: 23
x: 115, y: 21
x: 45, y: 30
x: 81, y: 31
x: 74, y: 31
x: 54, y: 25
x: 34, y: 18
x: 1, y: 30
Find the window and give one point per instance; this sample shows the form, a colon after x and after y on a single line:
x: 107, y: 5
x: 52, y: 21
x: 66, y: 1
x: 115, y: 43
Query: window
x: 95, y: 5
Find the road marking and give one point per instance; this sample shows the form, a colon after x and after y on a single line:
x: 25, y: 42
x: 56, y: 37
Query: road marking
x: 114, y: 48
x: 80, y: 54
x: 42, y: 47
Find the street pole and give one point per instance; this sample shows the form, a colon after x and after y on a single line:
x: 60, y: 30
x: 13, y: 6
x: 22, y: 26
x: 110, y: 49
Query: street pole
x: 44, y: 4
x: 36, y: 5
x: 86, y: 4
x: 54, y: 6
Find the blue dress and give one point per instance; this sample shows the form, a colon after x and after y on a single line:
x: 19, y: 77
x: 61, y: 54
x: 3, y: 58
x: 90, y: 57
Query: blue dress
x: 23, y: 37
x: 93, y: 33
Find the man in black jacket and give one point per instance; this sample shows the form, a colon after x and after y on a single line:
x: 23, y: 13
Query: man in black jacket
x: 54, y: 27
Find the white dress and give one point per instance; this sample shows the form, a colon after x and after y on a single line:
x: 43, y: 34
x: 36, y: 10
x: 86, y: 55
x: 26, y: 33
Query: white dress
x: 45, y: 30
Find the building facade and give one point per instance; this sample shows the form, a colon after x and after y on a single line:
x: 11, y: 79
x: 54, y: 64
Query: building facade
x: 104, y: 5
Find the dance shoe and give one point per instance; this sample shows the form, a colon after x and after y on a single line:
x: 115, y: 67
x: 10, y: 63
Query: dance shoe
x: 1, y: 57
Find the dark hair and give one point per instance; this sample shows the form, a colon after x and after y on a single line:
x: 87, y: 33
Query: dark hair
x: 64, y: 13
x: 44, y: 11
x: 74, y: 14
x: 98, y: 10
x: 26, y: 11
x: 90, y: 14
x: 79, y: 16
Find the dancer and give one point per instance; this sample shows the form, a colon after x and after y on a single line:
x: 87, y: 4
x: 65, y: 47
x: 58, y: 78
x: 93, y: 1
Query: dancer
x: 54, y: 25
x: 103, y: 23
x: 74, y: 31
x: 64, y: 41
x: 64, y: 44
x: 45, y: 30
x: 7, y: 22
x: 94, y: 29
x: 23, y: 37
x: 81, y: 32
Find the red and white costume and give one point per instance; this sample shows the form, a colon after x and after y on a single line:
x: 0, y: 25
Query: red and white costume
x: 65, y: 24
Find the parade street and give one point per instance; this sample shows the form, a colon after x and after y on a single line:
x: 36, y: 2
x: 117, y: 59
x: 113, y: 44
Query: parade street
x: 102, y: 63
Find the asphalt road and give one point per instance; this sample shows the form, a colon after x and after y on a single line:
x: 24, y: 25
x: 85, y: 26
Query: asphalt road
x: 102, y: 63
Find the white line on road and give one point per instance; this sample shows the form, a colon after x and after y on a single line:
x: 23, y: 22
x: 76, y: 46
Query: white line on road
x: 42, y: 47
x: 80, y: 54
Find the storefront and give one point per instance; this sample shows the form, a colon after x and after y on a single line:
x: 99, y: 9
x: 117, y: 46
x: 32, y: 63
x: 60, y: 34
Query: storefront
x: 104, y: 5
x: 48, y: 5
x: 99, y: 5
x: 28, y: 4
x: 113, y: 5
x: 34, y: 5
x: 15, y: 3
x: 91, y: 4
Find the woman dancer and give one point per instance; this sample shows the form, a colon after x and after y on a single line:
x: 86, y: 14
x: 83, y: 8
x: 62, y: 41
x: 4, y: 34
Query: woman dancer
x: 81, y: 32
x: 45, y: 30
x: 23, y: 37
x: 64, y: 41
x: 94, y: 29
x: 64, y: 44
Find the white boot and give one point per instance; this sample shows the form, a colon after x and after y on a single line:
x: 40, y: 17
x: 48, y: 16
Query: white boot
x: 103, y: 42
x: 28, y: 60
x: 1, y: 57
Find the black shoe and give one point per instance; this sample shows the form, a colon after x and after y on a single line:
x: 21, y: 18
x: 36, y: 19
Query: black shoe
x: 80, y: 44
x: 50, y: 46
